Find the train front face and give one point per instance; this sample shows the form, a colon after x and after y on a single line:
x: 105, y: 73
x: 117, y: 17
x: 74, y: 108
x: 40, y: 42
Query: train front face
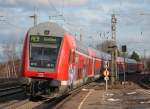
x: 41, y: 53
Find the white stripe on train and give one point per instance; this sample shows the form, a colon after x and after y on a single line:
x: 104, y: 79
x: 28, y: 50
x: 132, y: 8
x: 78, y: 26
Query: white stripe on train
x: 78, y: 81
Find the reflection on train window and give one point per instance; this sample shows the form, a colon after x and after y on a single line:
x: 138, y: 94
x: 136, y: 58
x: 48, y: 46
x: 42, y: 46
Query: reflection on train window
x: 43, y: 57
x: 43, y: 53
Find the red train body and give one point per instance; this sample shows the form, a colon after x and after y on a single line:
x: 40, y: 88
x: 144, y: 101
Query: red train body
x: 54, y: 61
x: 129, y: 66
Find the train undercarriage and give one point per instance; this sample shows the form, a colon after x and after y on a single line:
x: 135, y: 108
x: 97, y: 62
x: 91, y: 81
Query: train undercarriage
x: 42, y: 87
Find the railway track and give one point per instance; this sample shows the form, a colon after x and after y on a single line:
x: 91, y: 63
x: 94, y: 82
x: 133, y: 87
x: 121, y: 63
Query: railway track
x: 15, y: 94
x: 10, y: 87
x: 12, y: 97
x: 11, y: 90
x: 15, y: 104
x: 38, y: 102
x: 142, y: 80
x: 8, y: 83
x: 46, y: 103
x: 145, y: 82
x: 56, y: 103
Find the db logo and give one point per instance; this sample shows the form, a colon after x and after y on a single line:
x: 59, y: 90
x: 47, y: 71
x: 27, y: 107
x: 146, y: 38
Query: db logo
x: 40, y: 75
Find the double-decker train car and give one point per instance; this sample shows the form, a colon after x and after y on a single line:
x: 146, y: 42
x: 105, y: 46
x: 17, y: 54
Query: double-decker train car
x: 129, y: 66
x: 120, y: 65
x: 140, y: 67
x: 54, y: 61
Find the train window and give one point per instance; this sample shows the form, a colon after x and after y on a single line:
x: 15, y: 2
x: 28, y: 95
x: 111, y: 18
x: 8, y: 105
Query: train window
x: 76, y: 60
x: 43, y: 57
x: 70, y: 56
x: 73, y: 57
x: 79, y: 73
x: 44, y: 54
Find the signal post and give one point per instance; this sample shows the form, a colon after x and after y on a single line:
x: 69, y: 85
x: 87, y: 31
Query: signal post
x: 124, y: 50
x: 106, y: 74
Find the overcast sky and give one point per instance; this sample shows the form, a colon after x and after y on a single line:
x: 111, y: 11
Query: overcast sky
x: 90, y: 17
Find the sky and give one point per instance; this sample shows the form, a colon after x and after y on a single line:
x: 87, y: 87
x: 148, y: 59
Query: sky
x: 87, y: 17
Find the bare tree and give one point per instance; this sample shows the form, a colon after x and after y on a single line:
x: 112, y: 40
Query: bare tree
x: 6, y: 49
x: 10, y: 53
x: 106, y: 46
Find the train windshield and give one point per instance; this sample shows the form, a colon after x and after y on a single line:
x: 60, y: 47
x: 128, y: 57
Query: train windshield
x: 44, y: 51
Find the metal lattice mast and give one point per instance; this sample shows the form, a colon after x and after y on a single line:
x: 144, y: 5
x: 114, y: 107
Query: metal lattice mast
x: 113, y: 26
x: 114, y: 53
x: 34, y: 16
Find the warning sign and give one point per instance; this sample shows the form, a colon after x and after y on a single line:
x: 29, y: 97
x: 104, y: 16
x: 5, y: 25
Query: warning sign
x: 106, y: 73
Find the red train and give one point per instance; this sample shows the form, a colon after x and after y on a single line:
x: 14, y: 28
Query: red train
x: 129, y: 66
x: 55, y: 62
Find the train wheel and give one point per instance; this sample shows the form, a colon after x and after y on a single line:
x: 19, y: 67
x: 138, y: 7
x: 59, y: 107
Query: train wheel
x: 34, y: 89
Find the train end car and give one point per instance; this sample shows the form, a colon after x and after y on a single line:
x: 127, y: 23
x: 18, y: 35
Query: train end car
x: 45, y: 58
x: 120, y: 65
x: 54, y: 61
x: 131, y: 65
x: 140, y: 67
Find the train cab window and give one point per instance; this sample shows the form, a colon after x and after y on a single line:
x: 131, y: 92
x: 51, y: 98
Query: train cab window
x: 44, y: 54
x: 43, y: 57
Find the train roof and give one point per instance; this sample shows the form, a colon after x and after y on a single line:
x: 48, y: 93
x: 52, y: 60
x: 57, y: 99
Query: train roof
x: 102, y: 55
x: 120, y: 59
x: 52, y: 28
x: 128, y: 60
x: 55, y: 29
x: 81, y: 47
x: 98, y: 54
x: 105, y: 56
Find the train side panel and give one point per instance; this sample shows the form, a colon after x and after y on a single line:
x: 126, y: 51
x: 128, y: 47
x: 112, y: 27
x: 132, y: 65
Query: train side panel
x: 140, y: 67
x: 25, y: 57
x: 63, y: 60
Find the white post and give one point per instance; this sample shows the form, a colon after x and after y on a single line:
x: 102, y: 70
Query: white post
x: 106, y: 85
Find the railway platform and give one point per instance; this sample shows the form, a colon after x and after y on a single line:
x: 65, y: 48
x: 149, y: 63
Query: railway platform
x: 131, y: 96
x: 117, y: 99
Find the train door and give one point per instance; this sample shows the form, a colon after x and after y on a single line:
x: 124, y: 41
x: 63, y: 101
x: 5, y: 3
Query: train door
x: 72, y: 69
x: 76, y: 69
x: 93, y: 64
x: 89, y: 66
x: 84, y: 71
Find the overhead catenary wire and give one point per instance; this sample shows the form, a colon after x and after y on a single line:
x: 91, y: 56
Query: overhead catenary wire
x: 58, y: 13
x: 6, y: 21
x: 51, y: 5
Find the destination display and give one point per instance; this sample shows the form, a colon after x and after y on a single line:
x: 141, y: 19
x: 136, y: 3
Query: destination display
x: 43, y: 39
